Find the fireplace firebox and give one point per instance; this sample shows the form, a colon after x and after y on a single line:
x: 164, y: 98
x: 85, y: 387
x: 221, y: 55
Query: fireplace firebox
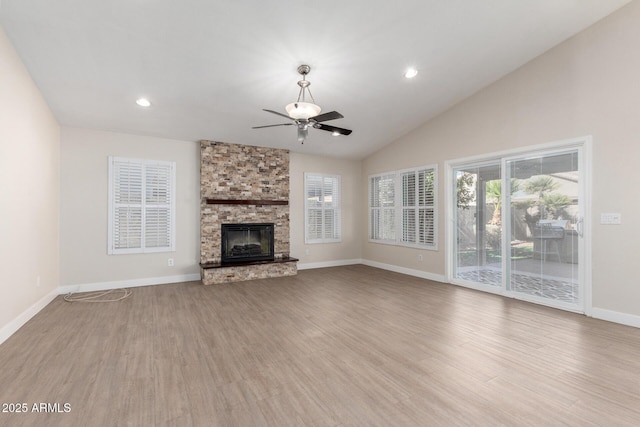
x: 247, y: 243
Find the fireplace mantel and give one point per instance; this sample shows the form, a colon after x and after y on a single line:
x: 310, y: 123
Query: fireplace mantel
x: 247, y: 202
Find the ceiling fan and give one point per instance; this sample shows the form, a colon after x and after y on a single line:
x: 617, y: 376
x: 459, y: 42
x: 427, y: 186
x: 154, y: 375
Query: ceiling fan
x: 307, y: 114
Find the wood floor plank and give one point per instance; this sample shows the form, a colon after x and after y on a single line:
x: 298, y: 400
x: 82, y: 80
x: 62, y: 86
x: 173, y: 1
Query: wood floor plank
x: 344, y: 346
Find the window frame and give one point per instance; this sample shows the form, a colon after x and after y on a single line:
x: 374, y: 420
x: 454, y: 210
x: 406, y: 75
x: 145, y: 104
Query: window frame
x: 145, y: 206
x: 400, y: 207
x: 334, y: 205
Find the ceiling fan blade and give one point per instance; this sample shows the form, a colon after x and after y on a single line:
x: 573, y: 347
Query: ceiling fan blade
x: 270, y: 126
x: 275, y: 112
x: 331, y: 115
x: 328, y: 128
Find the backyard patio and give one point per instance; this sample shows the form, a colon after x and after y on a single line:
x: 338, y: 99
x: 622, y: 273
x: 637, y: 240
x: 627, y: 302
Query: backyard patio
x: 550, y: 279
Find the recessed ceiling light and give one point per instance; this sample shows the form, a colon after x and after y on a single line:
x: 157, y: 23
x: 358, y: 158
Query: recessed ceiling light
x: 143, y: 102
x: 411, y: 73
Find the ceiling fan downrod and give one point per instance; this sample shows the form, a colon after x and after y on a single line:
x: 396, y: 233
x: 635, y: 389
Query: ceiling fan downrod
x: 304, y: 84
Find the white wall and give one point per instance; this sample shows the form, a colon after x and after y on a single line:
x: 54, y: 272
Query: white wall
x: 323, y: 254
x: 29, y: 193
x: 588, y: 85
x: 84, y: 212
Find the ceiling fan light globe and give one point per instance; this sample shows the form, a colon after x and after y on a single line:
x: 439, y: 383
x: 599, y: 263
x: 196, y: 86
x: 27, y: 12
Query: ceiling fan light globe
x: 302, y: 110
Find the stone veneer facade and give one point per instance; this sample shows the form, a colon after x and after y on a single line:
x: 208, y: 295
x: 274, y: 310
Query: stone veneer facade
x: 243, y: 172
x: 215, y: 276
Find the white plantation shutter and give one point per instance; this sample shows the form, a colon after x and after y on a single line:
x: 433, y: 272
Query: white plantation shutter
x: 382, y: 216
x: 322, y: 208
x: 158, y: 215
x: 331, y: 198
x: 418, y: 199
x: 426, y: 207
x: 141, y: 206
x: 313, y: 200
x: 126, y: 192
x: 402, y: 207
x: 409, y: 207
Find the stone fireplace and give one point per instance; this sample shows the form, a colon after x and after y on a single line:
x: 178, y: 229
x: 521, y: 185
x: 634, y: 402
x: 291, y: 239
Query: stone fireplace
x: 242, y: 184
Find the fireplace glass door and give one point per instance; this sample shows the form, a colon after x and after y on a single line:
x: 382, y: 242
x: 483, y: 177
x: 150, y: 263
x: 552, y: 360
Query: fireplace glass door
x: 247, y: 242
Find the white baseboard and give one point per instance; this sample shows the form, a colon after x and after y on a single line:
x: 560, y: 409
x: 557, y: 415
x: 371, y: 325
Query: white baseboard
x: 325, y: 264
x: 103, y: 286
x: 407, y: 271
x: 11, y: 327
x: 616, y: 317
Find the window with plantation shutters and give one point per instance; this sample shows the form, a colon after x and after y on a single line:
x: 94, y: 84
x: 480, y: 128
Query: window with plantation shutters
x: 418, y: 200
x: 402, y: 207
x: 322, y: 208
x: 141, y: 206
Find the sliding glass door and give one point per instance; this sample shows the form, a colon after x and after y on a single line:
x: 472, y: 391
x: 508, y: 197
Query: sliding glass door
x: 478, y: 253
x: 517, y: 226
x: 545, y: 213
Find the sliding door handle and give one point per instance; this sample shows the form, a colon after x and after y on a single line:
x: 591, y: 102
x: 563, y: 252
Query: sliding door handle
x: 580, y: 227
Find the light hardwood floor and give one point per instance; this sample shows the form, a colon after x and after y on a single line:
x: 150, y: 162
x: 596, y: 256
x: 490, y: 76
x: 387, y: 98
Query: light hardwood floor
x: 339, y: 346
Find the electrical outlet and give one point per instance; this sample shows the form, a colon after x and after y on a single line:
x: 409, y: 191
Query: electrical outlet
x: 420, y: 257
x: 38, y: 282
x: 170, y: 262
x: 306, y: 251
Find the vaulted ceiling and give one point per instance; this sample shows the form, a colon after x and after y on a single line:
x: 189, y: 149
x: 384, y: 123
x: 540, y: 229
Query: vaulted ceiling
x: 210, y: 67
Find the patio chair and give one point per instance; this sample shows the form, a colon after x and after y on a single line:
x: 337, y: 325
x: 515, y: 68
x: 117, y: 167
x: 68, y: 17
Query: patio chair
x: 550, y: 238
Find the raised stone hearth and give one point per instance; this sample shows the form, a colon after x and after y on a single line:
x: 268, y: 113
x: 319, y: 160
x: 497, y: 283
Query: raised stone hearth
x: 220, y: 273
x: 243, y: 184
